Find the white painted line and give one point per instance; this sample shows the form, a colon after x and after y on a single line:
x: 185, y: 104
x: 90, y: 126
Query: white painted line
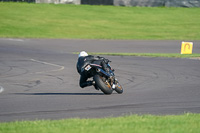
x: 60, y: 68
x: 1, y: 89
x: 12, y: 39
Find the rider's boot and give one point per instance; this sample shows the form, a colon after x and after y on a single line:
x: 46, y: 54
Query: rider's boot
x: 95, y: 86
x: 85, y: 84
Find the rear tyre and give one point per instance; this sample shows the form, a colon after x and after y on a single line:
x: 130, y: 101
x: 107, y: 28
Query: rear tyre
x: 103, y: 85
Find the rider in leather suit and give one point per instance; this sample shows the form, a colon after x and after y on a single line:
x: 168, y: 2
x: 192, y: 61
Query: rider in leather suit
x: 82, y: 60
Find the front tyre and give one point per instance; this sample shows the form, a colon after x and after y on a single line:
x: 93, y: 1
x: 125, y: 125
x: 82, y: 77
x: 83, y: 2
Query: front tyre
x: 118, y: 88
x: 103, y: 85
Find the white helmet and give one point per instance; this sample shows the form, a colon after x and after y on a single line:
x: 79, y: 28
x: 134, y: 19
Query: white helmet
x: 82, y: 54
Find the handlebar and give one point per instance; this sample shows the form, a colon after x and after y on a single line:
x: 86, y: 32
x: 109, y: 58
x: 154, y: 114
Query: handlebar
x: 106, y: 60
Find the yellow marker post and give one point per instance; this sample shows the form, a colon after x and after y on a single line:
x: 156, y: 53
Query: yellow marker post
x: 186, y: 47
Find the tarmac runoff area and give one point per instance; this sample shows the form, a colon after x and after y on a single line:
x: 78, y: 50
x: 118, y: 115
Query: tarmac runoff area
x: 38, y: 80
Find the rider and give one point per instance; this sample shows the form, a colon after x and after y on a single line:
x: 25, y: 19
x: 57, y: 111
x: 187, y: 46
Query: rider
x: 82, y: 60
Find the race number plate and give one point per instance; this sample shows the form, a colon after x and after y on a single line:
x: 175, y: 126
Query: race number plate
x: 88, y: 67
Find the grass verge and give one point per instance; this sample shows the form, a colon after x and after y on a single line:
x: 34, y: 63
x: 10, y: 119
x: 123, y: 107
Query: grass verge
x: 167, y: 55
x: 24, y: 20
x: 186, y: 123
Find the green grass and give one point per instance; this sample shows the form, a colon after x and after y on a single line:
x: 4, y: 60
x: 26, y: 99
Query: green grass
x: 187, y: 123
x: 23, y: 20
x: 168, y: 55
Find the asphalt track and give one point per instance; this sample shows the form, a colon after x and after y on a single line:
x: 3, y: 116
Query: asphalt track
x: 38, y: 80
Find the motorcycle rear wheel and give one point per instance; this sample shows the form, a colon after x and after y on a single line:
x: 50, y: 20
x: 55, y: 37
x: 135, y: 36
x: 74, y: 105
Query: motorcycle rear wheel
x: 103, y: 85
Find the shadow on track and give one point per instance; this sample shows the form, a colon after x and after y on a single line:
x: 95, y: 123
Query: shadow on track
x: 73, y: 94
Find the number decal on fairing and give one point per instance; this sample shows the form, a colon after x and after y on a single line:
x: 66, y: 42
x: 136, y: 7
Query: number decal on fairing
x: 88, y: 67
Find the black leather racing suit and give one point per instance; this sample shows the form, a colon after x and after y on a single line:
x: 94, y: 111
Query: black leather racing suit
x: 81, y: 63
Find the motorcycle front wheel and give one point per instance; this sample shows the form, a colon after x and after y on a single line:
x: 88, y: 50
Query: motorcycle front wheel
x: 118, y: 88
x: 103, y: 85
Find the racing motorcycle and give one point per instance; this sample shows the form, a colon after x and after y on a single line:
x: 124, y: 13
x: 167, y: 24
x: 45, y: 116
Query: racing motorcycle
x: 105, y: 81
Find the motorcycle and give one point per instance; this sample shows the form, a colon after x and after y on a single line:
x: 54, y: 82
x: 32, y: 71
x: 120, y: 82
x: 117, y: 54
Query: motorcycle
x: 105, y: 81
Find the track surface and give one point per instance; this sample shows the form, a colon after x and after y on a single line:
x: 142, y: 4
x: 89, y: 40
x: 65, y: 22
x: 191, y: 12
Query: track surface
x: 38, y: 80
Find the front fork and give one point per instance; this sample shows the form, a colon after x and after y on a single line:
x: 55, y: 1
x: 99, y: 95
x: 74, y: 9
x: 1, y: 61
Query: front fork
x: 113, y: 81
